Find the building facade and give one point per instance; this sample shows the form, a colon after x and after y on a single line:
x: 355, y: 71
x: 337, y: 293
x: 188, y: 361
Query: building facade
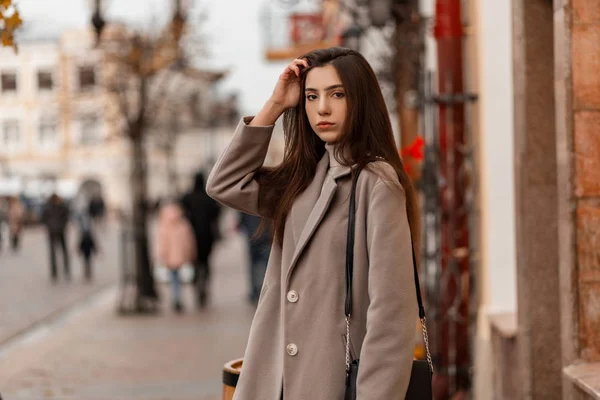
x: 536, y: 64
x: 58, y: 127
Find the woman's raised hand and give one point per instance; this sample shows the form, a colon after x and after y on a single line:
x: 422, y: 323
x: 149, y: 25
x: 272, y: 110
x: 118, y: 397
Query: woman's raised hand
x: 285, y: 95
x: 287, y: 90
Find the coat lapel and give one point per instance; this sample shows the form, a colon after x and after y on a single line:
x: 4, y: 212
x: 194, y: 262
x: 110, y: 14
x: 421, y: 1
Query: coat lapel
x: 305, y: 203
x: 327, y: 190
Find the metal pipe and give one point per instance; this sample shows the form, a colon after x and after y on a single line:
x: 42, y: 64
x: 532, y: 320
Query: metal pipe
x: 454, y: 356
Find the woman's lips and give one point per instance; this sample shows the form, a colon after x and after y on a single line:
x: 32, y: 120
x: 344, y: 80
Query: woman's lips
x: 325, y: 125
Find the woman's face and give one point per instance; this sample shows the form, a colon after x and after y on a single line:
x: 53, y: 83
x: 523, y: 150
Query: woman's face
x: 325, y: 102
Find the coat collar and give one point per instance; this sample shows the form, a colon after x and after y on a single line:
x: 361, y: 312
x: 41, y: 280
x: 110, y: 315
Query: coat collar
x: 310, y: 207
x: 335, y: 168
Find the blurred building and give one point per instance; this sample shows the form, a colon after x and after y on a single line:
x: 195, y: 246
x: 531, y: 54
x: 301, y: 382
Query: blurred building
x: 533, y: 64
x: 58, y: 127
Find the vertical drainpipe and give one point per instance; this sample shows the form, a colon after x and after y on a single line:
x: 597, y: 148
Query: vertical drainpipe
x: 453, y: 358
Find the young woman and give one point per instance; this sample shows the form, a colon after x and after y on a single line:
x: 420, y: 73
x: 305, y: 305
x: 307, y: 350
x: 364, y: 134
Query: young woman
x: 335, y: 120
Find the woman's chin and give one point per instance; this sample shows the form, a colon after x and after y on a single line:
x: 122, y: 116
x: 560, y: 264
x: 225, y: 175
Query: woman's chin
x: 328, y: 136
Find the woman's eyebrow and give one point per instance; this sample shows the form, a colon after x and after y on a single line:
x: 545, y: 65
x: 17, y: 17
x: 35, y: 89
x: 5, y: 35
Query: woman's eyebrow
x: 339, y: 85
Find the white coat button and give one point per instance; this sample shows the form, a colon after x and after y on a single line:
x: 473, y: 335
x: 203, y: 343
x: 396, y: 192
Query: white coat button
x: 292, y: 296
x: 292, y: 349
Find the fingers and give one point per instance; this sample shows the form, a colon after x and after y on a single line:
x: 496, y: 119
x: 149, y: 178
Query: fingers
x: 296, y: 65
x: 301, y: 61
x: 293, y: 68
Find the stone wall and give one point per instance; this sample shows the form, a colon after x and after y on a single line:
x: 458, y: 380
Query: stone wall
x: 586, y: 133
x: 557, y: 179
x: 577, y: 94
x: 539, y: 359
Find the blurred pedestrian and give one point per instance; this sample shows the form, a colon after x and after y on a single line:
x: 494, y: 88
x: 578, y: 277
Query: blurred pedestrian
x: 3, y: 217
x: 16, y: 211
x: 56, y: 217
x: 259, y: 246
x: 97, y: 210
x: 175, y: 245
x: 87, y: 244
x: 203, y: 213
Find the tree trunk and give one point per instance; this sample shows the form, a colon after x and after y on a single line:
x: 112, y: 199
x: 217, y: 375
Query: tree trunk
x: 146, y: 292
x: 170, y: 146
x: 171, y: 168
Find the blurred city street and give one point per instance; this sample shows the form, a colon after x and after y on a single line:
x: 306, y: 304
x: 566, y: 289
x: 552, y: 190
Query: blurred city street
x: 27, y: 295
x: 92, y: 353
x: 113, y: 114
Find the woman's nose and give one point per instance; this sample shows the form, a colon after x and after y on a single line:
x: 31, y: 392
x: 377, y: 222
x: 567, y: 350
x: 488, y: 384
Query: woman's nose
x: 324, y: 108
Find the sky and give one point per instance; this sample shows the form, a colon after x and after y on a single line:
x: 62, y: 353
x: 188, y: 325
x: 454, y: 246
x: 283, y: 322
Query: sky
x: 233, y: 30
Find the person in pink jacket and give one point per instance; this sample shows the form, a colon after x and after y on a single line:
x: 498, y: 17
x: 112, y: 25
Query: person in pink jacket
x: 175, y: 245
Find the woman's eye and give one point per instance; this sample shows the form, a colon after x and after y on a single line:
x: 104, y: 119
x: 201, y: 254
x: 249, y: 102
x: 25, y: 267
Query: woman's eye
x: 339, y: 95
x: 311, y: 97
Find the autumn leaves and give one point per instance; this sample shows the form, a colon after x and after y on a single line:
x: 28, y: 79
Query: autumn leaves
x: 10, y: 20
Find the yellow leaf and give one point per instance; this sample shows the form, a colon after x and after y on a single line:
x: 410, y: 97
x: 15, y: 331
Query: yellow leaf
x: 13, y: 22
x: 7, y: 39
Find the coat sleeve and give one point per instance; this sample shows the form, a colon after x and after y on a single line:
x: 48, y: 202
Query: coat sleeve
x: 387, y: 351
x: 231, y: 181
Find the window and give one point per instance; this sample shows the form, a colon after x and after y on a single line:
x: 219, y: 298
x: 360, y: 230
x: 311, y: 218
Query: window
x: 87, y: 77
x: 11, y: 135
x: 45, y: 81
x: 90, y: 130
x: 9, y: 82
x: 48, y: 134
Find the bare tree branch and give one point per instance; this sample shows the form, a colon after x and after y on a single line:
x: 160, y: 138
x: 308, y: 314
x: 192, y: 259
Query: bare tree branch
x: 159, y: 98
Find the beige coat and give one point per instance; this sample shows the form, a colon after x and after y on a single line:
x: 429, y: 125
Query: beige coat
x: 298, y: 333
x: 175, y: 242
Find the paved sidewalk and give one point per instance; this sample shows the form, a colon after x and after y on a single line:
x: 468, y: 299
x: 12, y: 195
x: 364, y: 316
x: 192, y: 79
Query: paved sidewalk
x: 28, y: 297
x: 93, y: 354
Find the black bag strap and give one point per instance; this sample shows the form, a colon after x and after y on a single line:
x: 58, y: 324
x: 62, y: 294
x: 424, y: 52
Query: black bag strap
x: 350, y: 254
x: 350, y: 271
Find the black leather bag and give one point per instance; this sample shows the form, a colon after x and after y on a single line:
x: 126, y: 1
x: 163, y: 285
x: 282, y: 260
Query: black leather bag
x: 419, y: 387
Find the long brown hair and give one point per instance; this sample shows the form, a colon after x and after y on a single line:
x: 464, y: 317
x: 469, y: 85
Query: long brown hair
x: 368, y: 136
